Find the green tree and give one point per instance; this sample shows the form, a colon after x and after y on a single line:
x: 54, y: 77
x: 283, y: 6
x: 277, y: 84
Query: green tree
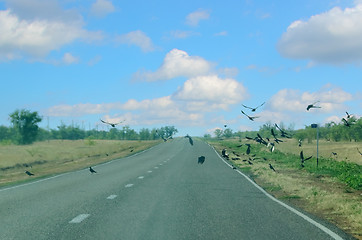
x: 26, y: 124
x: 218, y: 132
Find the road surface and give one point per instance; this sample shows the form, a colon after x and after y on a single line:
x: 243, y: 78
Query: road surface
x: 161, y: 193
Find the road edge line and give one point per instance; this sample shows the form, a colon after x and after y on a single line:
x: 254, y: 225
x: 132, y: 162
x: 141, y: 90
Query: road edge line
x: 295, y: 211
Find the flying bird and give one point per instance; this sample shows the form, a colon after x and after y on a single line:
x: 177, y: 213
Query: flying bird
x: 302, y: 159
x: 312, y: 106
x: 190, y: 140
x: 250, y: 117
x: 112, y: 124
x: 282, y: 132
x: 253, y: 109
x: 92, y: 170
x: 271, y: 167
x: 29, y: 173
x: 248, y: 150
x: 348, y: 115
x: 345, y: 122
x: 359, y: 151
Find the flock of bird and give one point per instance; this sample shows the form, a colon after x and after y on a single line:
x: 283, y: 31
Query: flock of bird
x: 270, y: 143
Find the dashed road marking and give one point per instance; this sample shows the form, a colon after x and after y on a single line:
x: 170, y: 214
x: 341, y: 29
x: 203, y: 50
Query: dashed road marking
x: 141, y: 177
x: 155, y: 167
x: 113, y: 196
x: 149, y: 171
x: 79, y: 218
x: 129, y: 185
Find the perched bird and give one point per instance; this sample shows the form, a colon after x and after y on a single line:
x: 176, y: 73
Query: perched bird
x: 250, y: 117
x: 201, y: 160
x: 29, y: 173
x: 334, y: 153
x: 92, y: 170
x: 302, y: 159
x: 112, y: 124
x: 248, y: 150
x: 271, y: 167
x: 253, y: 109
x: 312, y: 106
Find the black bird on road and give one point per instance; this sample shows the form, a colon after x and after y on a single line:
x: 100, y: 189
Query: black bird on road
x: 92, y: 170
x: 250, y: 117
x: 253, y: 109
x: 29, y: 173
x: 312, y: 106
x: 201, y: 160
x: 112, y: 124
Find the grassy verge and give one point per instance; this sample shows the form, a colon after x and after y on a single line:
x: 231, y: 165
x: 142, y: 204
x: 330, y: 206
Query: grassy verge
x: 57, y: 156
x: 332, y: 191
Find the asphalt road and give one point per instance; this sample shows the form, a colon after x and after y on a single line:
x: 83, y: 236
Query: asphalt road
x: 161, y: 193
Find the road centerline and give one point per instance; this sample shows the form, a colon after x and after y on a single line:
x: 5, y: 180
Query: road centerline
x: 79, y: 218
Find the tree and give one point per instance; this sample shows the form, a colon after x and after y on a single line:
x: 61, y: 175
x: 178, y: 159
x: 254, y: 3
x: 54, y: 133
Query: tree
x: 26, y: 124
x: 218, y: 132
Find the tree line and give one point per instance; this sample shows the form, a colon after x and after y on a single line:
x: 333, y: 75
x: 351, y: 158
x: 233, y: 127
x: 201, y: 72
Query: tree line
x: 330, y: 131
x: 25, y: 130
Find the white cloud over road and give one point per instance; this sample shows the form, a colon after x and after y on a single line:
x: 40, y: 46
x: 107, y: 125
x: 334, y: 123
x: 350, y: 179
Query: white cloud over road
x: 332, y: 37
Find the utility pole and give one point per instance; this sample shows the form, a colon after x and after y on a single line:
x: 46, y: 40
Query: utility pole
x: 316, y: 126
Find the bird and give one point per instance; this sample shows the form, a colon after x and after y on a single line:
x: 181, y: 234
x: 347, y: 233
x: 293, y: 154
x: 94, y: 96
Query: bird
x: 201, y: 160
x: 250, y: 117
x: 112, y: 124
x: 271, y: 167
x: 225, y: 125
x: 248, y: 150
x: 302, y: 159
x: 253, y: 109
x: 190, y: 140
x: 299, y: 142
x: 312, y: 106
x: 345, y: 122
x: 29, y: 173
x: 92, y: 170
x: 359, y: 151
x: 348, y: 115
x: 283, y: 133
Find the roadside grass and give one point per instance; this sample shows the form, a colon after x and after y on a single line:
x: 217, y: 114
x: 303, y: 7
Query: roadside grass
x: 58, y: 156
x: 332, y: 191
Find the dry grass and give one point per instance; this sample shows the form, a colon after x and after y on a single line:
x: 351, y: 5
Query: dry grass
x: 320, y: 195
x: 346, y: 151
x: 58, y: 156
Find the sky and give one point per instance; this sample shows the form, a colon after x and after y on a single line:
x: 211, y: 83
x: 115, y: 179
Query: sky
x: 188, y: 64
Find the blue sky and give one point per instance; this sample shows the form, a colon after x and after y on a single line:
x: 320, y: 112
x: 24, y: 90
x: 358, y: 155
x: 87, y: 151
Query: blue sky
x: 190, y: 64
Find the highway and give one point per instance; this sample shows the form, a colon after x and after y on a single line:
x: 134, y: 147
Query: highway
x: 161, y: 193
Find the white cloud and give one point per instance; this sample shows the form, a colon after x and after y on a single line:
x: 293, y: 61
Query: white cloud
x: 177, y: 63
x: 330, y: 99
x: 68, y: 58
x: 179, y: 34
x: 194, y: 18
x: 37, y: 37
x: 137, y: 38
x: 102, y: 7
x: 332, y: 37
x: 215, y: 92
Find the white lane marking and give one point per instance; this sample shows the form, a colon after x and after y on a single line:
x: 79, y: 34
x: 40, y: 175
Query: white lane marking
x: 113, y: 196
x: 141, y: 177
x: 129, y: 185
x: 149, y: 171
x: 79, y: 218
x: 155, y: 167
x: 160, y: 164
x: 305, y: 217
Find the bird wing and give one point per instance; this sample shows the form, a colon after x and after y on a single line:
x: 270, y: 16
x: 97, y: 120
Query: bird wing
x: 260, y: 105
x: 246, y: 106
